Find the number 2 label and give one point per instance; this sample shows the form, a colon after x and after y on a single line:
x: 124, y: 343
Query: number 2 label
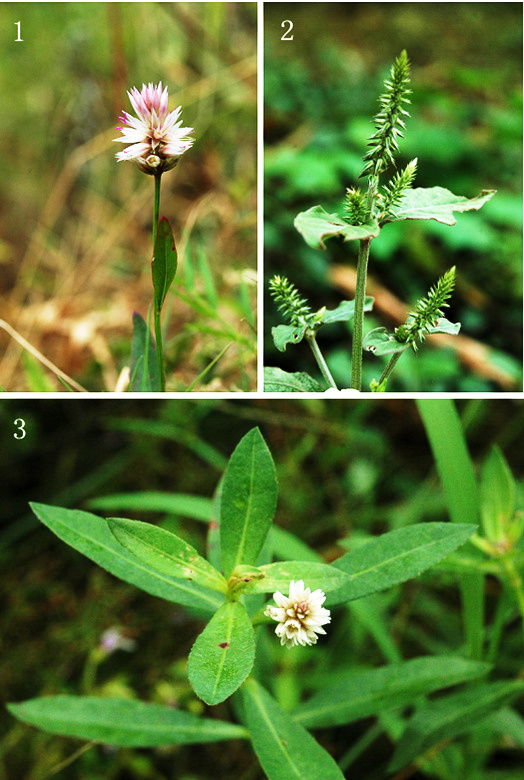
x: 287, y: 35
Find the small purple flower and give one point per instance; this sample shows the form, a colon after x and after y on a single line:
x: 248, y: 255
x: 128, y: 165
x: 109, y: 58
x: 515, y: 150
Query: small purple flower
x: 155, y: 134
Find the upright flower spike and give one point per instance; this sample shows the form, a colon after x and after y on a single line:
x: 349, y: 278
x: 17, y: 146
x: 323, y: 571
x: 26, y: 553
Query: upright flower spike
x: 155, y: 134
x: 294, y: 308
x: 300, y: 615
x: 388, y: 122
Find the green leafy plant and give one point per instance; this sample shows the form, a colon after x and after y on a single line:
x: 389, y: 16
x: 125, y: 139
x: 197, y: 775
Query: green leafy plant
x: 365, y: 214
x: 246, y: 562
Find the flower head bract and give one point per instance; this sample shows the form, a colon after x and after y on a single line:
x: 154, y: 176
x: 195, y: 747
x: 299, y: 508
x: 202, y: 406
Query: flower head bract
x: 300, y: 615
x: 155, y: 135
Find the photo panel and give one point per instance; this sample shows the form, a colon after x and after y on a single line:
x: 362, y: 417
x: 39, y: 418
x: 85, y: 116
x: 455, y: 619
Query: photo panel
x: 129, y: 132
x: 200, y: 584
x: 393, y: 197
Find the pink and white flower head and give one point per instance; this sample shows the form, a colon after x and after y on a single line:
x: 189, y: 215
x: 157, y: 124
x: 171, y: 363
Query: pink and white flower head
x: 300, y: 615
x: 155, y: 134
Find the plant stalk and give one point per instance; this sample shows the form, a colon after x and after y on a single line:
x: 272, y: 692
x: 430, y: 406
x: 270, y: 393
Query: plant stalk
x: 156, y: 311
x: 390, y: 366
x: 319, y: 357
x: 358, y: 319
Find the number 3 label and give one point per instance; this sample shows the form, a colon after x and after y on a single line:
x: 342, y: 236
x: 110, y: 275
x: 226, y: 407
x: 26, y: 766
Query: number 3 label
x: 287, y: 35
x: 20, y: 424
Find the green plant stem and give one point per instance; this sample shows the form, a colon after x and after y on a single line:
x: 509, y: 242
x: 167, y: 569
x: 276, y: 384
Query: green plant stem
x: 390, y: 366
x: 358, y: 319
x: 156, y: 311
x: 311, y: 340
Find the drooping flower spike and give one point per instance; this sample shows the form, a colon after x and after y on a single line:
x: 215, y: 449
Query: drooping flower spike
x: 155, y: 135
x: 300, y: 615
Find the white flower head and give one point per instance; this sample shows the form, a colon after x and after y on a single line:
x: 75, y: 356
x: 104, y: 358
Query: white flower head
x: 300, y: 615
x: 155, y: 134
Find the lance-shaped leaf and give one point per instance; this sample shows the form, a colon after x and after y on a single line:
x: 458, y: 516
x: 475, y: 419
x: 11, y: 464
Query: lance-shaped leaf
x: 380, y: 342
x: 121, y: 722
x: 278, y: 381
x: 284, y: 748
x: 248, y: 501
x: 374, y: 691
x: 449, y: 717
x: 91, y: 536
x: 144, y: 364
x: 164, y: 264
x: 223, y: 654
x: 397, y: 556
x: 316, y: 224
x: 277, y: 576
x: 436, y: 203
x: 166, y: 553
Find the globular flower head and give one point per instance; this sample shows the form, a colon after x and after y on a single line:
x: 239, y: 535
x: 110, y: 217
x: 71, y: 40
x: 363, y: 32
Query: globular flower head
x: 155, y: 134
x: 300, y: 615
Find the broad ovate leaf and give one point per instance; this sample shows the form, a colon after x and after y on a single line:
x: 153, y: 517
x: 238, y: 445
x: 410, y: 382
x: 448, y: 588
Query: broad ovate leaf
x: 316, y: 224
x: 223, y: 654
x: 436, y: 203
x: 278, y: 381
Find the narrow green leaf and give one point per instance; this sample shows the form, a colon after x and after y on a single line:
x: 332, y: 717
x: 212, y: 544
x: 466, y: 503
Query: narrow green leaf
x: 278, y: 381
x: 371, y: 692
x: 91, y: 536
x: 449, y: 717
x: 164, y: 264
x: 184, y: 504
x: 397, y: 556
x: 223, y: 654
x: 121, y: 722
x: 436, y: 203
x: 316, y: 224
x: 277, y: 576
x: 284, y: 748
x: 497, y: 495
x: 248, y: 501
x: 457, y: 473
x: 166, y: 553
x: 144, y: 365
x: 287, y: 546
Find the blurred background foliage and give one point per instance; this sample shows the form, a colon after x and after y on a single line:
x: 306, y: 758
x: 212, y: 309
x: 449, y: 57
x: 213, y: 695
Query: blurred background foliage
x: 321, y: 93
x: 75, y: 226
x: 346, y: 470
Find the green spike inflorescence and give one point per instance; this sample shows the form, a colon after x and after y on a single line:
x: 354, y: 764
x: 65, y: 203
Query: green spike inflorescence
x: 286, y: 295
x: 427, y: 311
x: 388, y: 122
